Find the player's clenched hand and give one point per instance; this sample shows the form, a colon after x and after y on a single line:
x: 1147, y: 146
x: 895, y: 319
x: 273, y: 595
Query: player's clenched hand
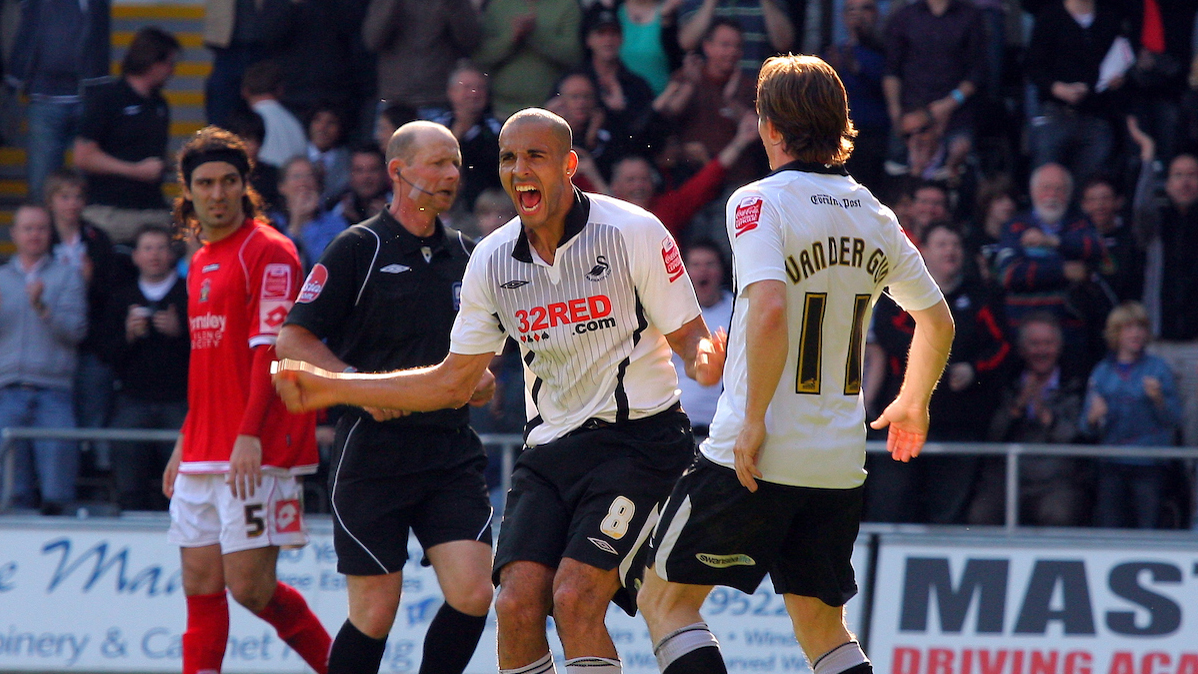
x: 245, y: 466
x: 746, y: 449
x: 709, y: 358
x: 908, y: 430
x: 484, y: 391
x: 172, y: 469
x: 303, y: 390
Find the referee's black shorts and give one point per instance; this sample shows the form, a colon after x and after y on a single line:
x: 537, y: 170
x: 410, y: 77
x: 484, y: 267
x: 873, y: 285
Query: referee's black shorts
x: 714, y: 531
x: 593, y: 496
x: 385, y: 481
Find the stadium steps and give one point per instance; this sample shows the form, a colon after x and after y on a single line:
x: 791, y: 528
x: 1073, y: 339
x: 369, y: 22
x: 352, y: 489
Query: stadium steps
x: 185, y: 92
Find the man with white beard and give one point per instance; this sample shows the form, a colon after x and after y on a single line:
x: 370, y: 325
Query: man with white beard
x: 1045, y: 252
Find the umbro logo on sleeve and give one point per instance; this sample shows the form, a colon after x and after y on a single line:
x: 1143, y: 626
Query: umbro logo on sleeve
x: 512, y: 285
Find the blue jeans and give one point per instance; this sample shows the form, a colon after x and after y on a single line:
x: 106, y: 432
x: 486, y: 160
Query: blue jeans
x: 52, y: 127
x: 135, y: 465
x: 56, y: 461
x: 93, y: 400
x: 1080, y: 142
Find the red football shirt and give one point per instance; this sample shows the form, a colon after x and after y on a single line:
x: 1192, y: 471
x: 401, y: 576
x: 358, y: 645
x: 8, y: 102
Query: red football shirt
x: 239, y: 291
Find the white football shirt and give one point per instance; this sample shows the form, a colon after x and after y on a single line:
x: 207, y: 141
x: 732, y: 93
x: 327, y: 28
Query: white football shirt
x: 590, y: 326
x: 835, y: 247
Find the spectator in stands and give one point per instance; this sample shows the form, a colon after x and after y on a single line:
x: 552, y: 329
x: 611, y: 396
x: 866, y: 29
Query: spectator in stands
x: 1131, y: 400
x: 650, y: 35
x: 236, y: 32
x: 1162, y: 30
x: 300, y: 215
x: 1047, y: 251
x: 79, y: 244
x: 369, y: 189
x: 994, y: 207
x: 860, y: 61
x: 1170, y: 226
x: 262, y: 87
x: 1068, y: 43
x: 43, y: 317
x: 764, y: 22
x: 123, y: 136
x: 1122, y: 270
x: 477, y: 130
x: 388, y: 120
x: 634, y: 179
x: 146, y: 333
x: 526, y: 48
x: 933, y: 488
x: 418, y: 44
x: 1042, y: 404
x: 929, y: 204
x: 52, y: 76
x: 935, y: 63
x: 577, y: 101
x: 705, y: 263
x: 708, y: 97
x: 248, y: 126
x: 627, y: 99
x: 326, y: 148
x: 319, y: 51
x: 492, y: 210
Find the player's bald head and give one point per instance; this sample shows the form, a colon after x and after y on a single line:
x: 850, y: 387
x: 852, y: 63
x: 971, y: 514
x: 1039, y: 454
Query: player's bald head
x: 407, y: 138
x: 543, y: 121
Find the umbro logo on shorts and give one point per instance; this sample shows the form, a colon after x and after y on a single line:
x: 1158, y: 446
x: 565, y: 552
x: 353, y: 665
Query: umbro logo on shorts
x: 512, y: 285
x: 724, y: 561
x: 395, y: 269
x: 603, y: 545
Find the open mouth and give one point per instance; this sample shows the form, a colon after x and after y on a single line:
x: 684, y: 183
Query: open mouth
x: 528, y: 198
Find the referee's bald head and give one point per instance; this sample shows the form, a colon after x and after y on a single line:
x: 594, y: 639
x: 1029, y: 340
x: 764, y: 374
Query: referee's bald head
x: 407, y: 139
x: 558, y: 128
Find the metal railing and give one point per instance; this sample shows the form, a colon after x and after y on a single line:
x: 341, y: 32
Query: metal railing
x: 511, y: 443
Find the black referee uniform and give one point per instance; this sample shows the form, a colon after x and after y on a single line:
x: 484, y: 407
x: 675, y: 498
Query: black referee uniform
x: 384, y: 299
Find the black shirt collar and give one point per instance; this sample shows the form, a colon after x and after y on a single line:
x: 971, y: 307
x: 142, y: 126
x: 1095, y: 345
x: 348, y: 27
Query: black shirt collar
x: 576, y: 219
x: 812, y: 167
x: 409, y: 242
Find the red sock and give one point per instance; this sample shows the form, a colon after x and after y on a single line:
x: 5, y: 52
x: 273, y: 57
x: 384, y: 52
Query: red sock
x: 207, y: 633
x: 298, y: 626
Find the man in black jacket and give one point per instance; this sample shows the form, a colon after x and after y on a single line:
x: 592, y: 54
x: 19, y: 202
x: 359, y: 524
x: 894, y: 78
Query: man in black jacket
x: 146, y: 327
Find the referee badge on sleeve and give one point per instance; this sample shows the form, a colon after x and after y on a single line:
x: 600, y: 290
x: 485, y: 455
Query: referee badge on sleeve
x: 457, y: 296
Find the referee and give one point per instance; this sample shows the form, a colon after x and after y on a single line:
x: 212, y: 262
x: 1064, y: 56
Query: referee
x: 384, y: 297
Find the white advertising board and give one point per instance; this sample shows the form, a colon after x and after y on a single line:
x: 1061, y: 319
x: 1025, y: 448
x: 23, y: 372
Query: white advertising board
x: 1118, y: 605
x: 101, y: 596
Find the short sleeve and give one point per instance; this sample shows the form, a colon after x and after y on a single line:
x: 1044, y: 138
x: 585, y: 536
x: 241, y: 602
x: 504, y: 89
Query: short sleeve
x: 910, y: 284
x: 97, y: 112
x: 477, y: 328
x: 329, y: 294
x: 273, y: 282
x: 755, y: 231
x: 662, y: 284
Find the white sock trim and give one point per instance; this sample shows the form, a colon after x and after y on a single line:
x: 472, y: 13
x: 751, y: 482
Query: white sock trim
x: 682, y: 641
x: 839, y: 659
x: 542, y: 666
x: 593, y: 665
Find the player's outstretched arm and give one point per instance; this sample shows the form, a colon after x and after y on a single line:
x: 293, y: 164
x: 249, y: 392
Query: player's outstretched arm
x: 766, y: 345
x: 907, y: 416
x: 448, y: 384
x: 702, y: 352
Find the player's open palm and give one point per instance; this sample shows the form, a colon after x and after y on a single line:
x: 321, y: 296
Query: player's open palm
x: 245, y: 466
x: 709, y: 358
x: 172, y: 469
x: 746, y: 450
x: 908, y: 429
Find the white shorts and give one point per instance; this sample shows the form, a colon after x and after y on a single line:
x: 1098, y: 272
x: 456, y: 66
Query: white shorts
x: 204, y: 511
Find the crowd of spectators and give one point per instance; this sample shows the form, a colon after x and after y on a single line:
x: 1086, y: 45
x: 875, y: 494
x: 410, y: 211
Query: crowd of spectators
x: 1042, y: 156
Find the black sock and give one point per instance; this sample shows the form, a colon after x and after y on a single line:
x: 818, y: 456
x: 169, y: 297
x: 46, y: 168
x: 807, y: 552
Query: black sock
x: 705, y: 660
x: 450, y: 641
x: 355, y: 653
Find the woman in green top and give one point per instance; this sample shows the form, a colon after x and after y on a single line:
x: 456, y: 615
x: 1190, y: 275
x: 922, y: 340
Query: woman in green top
x: 645, y: 24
